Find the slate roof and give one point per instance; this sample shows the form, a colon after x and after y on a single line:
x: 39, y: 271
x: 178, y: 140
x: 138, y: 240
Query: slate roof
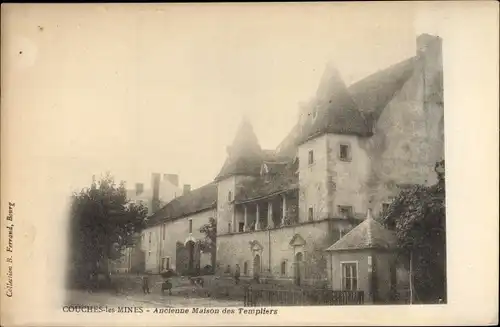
x: 373, y: 93
x: 336, y: 111
x: 273, y: 183
x: 244, y: 155
x: 350, y: 110
x: 275, y: 167
x: 288, y: 147
x: 370, y: 234
x: 272, y: 156
x: 248, y: 166
x: 197, y: 200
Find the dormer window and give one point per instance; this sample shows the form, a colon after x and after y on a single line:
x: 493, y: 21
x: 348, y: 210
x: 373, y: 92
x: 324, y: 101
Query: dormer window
x: 345, y: 152
x: 385, y: 208
x: 345, y: 211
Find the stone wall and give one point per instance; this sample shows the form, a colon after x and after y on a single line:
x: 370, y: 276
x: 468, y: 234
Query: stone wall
x: 409, y: 135
x: 176, y: 231
x: 225, y: 209
x: 349, y: 177
x: 383, y: 266
x: 273, y: 248
x: 313, y: 180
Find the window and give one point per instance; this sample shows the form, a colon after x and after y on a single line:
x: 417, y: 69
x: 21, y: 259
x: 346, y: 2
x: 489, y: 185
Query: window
x: 230, y: 196
x: 349, y: 276
x: 229, y: 227
x: 311, y: 157
x: 283, y: 268
x: 311, y: 214
x: 149, y: 254
x: 149, y: 237
x: 165, y: 263
x: 345, y: 211
x: 344, y: 153
x: 190, y: 225
x: 241, y: 227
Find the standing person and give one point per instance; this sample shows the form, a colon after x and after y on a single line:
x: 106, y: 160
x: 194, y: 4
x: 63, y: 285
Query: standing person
x: 145, y: 285
x: 237, y: 274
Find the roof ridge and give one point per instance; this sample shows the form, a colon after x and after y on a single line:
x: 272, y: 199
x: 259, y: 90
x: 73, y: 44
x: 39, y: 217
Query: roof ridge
x: 195, y: 192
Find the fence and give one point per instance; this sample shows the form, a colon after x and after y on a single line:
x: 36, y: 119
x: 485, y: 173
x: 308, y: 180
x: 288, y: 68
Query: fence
x: 283, y: 297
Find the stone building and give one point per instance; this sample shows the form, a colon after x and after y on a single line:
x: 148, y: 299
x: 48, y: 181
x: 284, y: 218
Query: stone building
x: 163, y: 190
x: 172, y: 240
x: 365, y: 260
x: 352, y: 150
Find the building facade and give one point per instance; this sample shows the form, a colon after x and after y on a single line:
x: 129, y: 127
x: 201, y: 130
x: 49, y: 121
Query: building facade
x: 352, y: 150
x: 164, y: 188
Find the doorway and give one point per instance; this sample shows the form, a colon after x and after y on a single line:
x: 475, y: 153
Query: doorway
x: 256, y: 265
x: 298, y: 268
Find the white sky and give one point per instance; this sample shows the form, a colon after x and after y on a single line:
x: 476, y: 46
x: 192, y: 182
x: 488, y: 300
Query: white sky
x: 163, y: 88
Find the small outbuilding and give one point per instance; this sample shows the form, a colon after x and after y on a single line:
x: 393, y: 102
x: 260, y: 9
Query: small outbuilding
x: 365, y: 260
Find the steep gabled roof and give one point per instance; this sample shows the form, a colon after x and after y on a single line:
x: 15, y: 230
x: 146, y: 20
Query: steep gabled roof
x: 288, y: 147
x: 370, y: 234
x: 244, y: 155
x: 373, y: 93
x: 197, y: 200
x: 335, y: 110
x: 352, y: 110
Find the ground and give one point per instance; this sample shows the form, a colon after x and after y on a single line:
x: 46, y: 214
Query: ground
x: 78, y: 297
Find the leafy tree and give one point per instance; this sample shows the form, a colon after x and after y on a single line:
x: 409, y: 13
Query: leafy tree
x: 103, y: 223
x: 417, y: 216
x: 208, y: 244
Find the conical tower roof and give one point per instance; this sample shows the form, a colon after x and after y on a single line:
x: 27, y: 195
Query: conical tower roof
x: 244, y: 155
x: 370, y: 234
x: 335, y: 110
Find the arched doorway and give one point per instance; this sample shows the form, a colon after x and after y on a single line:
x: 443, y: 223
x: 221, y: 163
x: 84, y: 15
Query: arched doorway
x: 256, y: 265
x: 298, y: 268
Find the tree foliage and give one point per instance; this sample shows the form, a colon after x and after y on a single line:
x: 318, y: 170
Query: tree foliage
x: 103, y: 223
x: 209, y: 243
x: 417, y: 216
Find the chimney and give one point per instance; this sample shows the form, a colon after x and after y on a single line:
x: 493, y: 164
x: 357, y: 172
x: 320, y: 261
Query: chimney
x: 429, y: 50
x: 155, y: 186
x: 186, y: 189
x: 369, y: 214
x: 139, y: 188
x: 427, y: 43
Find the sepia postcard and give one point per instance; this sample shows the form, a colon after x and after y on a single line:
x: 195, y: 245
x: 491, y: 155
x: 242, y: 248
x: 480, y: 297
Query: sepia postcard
x: 249, y: 164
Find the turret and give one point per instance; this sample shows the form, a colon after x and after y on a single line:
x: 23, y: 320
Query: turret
x: 243, y: 162
x: 332, y: 162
